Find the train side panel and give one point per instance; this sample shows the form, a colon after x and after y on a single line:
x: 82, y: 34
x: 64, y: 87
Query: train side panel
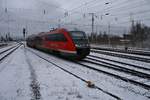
x: 59, y: 42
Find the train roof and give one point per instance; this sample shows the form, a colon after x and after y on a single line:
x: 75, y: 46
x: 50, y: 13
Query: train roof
x: 57, y: 30
x: 63, y: 29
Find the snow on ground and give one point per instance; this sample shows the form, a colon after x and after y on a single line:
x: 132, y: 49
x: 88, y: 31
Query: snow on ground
x: 111, y: 70
x: 14, y: 77
x: 8, y: 44
x: 107, y: 46
x: 25, y: 76
x: 22, y: 73
x: 122, y: 89
x: 56, y: 84
x: 122, y: 65
x: 138, y: 63
x: 7, y: 47
x: 126, y: 54
x: 121, y: 47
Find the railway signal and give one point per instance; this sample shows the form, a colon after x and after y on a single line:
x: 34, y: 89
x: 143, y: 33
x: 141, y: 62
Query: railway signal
x: 24, y: 32
x: 6, y: 10
x: 44, y: 12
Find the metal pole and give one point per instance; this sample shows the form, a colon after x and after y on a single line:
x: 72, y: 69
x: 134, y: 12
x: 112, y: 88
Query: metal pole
x: 59, y: 23
x: 92, y: 25
x: 109, y: 34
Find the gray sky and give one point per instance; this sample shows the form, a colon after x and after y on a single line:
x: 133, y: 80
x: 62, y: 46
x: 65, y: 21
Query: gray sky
x: 30, y: 14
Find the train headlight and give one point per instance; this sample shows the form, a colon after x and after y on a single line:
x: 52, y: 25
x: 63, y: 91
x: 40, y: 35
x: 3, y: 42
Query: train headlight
x: 82, y: 45
x: 77, y: 45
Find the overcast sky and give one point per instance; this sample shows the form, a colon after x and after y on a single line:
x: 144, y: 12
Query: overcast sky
x: 41, y: 15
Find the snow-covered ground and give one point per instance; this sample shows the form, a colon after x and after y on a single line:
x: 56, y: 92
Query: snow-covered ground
x: 16, y: 77
x: 121, y: 47
x: 7, y: 44
x: 138, y: 68
x: 132, y: 55
x: 122, y: 89
x: 7, y: 47
x: 138, y: 63
x: 25, y: 76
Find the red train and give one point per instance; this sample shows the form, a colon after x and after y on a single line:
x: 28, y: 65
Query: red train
x: 70, y: 44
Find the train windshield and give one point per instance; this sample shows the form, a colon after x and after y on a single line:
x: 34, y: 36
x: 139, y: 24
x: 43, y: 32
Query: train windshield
x: 78, y: 36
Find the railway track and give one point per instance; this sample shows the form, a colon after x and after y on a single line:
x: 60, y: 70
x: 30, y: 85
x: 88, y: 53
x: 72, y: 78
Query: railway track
x: 3, y: 51
x: 130, y: 80
x: 129, y: 51
x: 115, y: 74
x: 77, y: 76
x: 7, y: 52
x: 3, y: 45
x: 143, y: 59
x: 117, y: 68
x: 123, y: 63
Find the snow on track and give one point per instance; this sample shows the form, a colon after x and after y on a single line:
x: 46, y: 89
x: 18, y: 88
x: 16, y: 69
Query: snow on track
x: 137, y: 63
x: 57, y: 84
x: 5, y: 48
x: 116, y: 73
x: 120, y: 53
x: 122, y: 89
x: 14, y: 77
x: 21, y: 68
x: 120, y: 65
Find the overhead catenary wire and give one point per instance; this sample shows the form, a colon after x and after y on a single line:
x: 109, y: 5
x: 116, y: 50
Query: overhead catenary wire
x: 144, y: 3
x: 114, y: 16
x: 92, y: 0
x: 65, y: 9
x: 131, y: 7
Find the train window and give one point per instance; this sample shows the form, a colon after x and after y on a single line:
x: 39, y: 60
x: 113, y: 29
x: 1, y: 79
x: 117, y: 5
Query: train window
x: 60, y: 37
x: 77, y: 35
x: 56, y: 37
x: 38, y: 40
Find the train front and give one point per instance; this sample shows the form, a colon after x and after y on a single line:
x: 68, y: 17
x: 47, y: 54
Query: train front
x: 81, y: 42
